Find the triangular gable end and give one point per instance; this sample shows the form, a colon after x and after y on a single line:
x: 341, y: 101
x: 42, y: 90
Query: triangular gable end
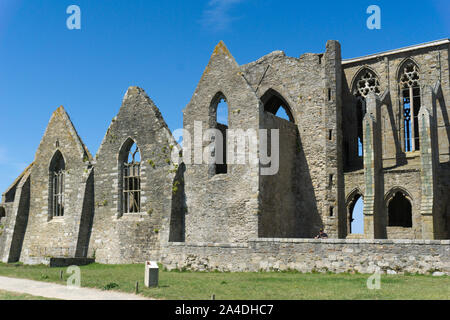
x: 221, y: 62
x: 60, y: 116
x: 137, y: 102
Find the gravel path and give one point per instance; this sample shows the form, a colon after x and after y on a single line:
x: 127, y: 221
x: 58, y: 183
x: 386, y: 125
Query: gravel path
x: 52, y: 290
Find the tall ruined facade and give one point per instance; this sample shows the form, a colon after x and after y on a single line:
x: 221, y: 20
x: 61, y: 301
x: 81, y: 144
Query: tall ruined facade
x: 375, y: 128
x: 397, y: 104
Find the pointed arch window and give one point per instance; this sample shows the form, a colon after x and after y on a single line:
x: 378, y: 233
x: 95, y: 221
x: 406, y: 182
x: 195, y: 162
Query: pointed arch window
x: 220, y: 110
x: 57, y: 185
x: 399, y: 211
x: 410, y: 104
x: 365, y: 83
x: 130, y: 192
x: 275, y: 104
x: 355, y: 215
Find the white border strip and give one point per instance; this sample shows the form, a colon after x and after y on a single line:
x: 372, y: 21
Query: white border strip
x: 390, y: 52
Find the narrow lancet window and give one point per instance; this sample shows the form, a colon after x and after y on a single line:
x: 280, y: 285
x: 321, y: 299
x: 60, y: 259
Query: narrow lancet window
x: 220, y: 108
x: 57, y: 188
x: 131, y: 173
x: 366, y: 82
x: 410, y: 102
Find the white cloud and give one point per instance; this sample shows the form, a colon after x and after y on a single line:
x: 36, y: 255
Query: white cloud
x: 217, y: 15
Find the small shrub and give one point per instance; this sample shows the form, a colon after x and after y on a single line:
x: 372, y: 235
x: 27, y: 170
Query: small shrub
x: 152, y: 163
x: 110, y: 286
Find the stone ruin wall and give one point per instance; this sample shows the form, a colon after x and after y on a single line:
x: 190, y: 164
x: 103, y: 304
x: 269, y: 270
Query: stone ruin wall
x: 188, y: 227
x: 309, y: 255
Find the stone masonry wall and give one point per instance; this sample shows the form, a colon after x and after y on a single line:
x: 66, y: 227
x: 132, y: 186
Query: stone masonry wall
x: 307, y: 255
x: 47, y: 235
x: 119, y: 237
x: 221, y: 207
x: 303, y: 83
x: 281, y: 213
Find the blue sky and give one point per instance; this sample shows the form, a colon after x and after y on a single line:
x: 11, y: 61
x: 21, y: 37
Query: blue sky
x: 163, y: 47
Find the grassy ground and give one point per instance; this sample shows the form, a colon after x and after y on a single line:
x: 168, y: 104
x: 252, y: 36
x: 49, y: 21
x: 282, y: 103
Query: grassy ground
x: 6, y: 295
x: 270, y: 285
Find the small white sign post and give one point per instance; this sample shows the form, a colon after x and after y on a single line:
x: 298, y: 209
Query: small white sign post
x: 151, y: 274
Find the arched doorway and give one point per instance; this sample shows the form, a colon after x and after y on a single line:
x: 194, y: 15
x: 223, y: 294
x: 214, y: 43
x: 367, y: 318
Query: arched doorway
x: 399, y: 211
x: 355, y: 207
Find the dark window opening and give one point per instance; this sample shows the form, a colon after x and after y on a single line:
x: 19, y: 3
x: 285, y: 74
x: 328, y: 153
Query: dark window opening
x: 346, y: 152
x: 331, y: 211
x: 399, y: 211
x: 2, y: 213
x: 57, y: 185
x: 330, y: 134
x: 329, y: 94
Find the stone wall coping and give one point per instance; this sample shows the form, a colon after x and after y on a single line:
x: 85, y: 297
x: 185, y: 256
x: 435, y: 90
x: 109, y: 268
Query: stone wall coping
x: 207, y: 244
x: 316, y: 241
x: 396, y: 51
x: 352, y: 241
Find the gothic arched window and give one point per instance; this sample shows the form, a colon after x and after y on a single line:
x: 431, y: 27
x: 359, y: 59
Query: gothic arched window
x: 410, y: 101
x: 275, y: 104
x: 130, y: 164
x: 366, y: 82
x: 400, y: 211
x: 220, y: 107
x: 56, y: 185
x: 355, y: 215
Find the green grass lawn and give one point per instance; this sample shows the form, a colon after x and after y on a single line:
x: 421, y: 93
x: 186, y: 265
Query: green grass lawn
x: 256, y: 285
x: 6, y: 295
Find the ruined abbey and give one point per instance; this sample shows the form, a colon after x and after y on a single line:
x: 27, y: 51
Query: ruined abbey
x: 375, y: 128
